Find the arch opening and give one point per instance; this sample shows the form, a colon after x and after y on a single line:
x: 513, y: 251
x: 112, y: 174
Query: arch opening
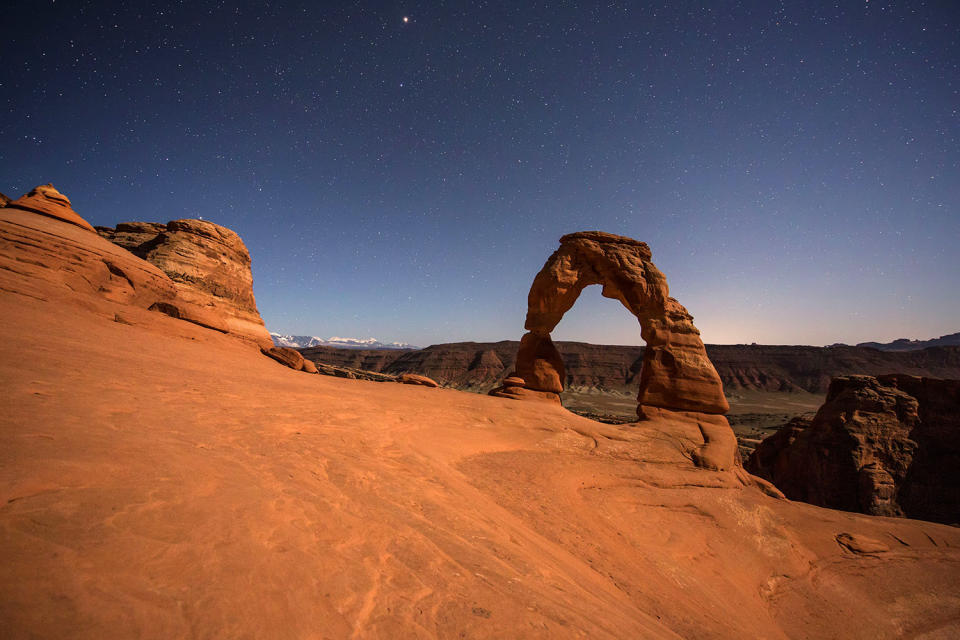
x: 676, y: 372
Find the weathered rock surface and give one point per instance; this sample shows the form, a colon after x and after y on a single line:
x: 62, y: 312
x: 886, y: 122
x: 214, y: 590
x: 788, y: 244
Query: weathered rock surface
x: 4, y: 200
x: 676, y: 372
x: 886, y: 445
x: 47, y: 258
x: 285, y: 356
x: 351, y: 373
x: 47, y: 201
x: 161, y: 480
x: 209, y: 265
x: 412, y: 378
x: 133, y: 235
x: 479, y: 366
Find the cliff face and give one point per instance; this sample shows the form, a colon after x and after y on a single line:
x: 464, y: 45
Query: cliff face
x: 472, y: 365
x: 210, y: 267
x: 886, y: 446
x: 790, y: 368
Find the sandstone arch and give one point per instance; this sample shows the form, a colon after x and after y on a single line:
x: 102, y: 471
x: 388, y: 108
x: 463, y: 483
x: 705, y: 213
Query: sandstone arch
x: 676, y: 374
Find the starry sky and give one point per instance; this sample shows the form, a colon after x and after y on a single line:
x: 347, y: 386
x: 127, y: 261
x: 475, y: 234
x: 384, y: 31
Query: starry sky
x: 402, y: 170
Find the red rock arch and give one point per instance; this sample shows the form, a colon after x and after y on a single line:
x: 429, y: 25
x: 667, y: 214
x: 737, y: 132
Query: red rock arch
x: 676, y: 374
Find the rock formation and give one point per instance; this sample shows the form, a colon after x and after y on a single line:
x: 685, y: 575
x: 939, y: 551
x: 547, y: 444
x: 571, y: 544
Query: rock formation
x: 210, y: 267
x: 47, y: 201
x: 285, y: 356
x: 158, y: 479
x: 46, y: 257
x: 676, y: 372
x: 412, y: 378
x: 886, y: 445
x: 479, y: 366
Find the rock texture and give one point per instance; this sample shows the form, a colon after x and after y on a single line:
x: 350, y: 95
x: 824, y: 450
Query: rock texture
x: 209, y: 265
x: 479, y: 366
x: 412, y: 378
x: 285, y: 356
x: 47, y: 201
x: 676, y: 372
x: 45, y: 258
x: 886, y: 445
x: 160, y: 480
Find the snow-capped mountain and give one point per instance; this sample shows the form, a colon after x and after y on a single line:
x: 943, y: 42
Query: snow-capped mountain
x: 299, y: 342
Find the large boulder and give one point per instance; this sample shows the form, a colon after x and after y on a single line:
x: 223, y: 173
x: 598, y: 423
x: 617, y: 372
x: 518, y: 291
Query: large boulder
x: 416, y: 379
x: 47, y: 201
x: 285, y: 356
x: 210, y: 267
x: 886, y: 445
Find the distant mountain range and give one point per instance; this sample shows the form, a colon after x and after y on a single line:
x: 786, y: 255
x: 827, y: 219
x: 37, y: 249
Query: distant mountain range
x: 476, y: 366
x: 302, y: 342
x: 904, y: 344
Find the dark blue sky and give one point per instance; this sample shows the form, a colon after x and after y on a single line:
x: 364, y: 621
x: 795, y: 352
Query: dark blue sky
x: 794, y: 166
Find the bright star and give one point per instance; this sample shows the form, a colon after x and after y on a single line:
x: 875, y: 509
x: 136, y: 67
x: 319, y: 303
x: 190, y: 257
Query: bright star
x: 406, y: 19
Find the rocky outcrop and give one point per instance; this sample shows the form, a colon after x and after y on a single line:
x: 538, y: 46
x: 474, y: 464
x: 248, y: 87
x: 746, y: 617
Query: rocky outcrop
x: 886, y: 445
x: 676, y: 372
x: 4, y: 200
x: 208, y: 264
x: 49, y: 259
x: 478, y: 366
x: 133, y: 235
x: 351, y: 373
x: 412, y: 378
x: 47, y: 201
x: 285, y: 356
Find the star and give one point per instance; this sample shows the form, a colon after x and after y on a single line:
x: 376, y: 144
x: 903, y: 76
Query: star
x: 406, y: 19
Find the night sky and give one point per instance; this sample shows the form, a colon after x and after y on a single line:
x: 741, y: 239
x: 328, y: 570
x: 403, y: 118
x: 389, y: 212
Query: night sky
x: 403, y: 170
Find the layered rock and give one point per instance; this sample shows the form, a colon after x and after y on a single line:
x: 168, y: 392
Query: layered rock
x: 285, y: 356
x: 47, y: 258
x: 474, y: 366
x: 133, y: 235
x: 47, y: 201
x: 886, y: 445
x: 210, y: 267
x: 676, y: 372
x: 414, y: 379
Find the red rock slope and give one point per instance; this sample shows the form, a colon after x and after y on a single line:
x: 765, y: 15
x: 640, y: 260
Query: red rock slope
x: 158, y: 480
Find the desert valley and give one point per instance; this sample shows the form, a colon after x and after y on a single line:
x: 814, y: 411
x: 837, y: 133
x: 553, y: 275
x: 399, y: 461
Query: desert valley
x: 168, y: 471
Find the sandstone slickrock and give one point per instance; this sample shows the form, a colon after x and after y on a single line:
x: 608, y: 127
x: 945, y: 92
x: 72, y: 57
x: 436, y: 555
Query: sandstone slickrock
x: 676, y: 375
x: 210, y: 266
x: 47, y: 258
x: 285, y: 356
x: 676, y: 372
x: 412, y: 378
x: 886, y: 445
x: 47, y: 201
x: 4, y: 200
x: 161, y: 480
